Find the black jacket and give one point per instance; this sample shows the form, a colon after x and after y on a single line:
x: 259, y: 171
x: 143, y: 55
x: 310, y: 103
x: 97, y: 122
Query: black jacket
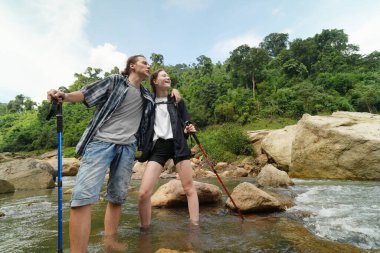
x: 178, y: 115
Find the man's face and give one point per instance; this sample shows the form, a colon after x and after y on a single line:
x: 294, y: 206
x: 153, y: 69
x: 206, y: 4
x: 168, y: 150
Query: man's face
x: 141, y: 67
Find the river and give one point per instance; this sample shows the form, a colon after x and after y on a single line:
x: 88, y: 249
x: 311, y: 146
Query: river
x: 329, y: 216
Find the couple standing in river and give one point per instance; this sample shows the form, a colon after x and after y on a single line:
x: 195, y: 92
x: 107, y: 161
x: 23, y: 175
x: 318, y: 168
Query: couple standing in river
x: 127, y: 117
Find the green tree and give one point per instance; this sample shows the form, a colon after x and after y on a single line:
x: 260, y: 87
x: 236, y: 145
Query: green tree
x: 205, y: 65
x: 247, y: 64
x: 20, y: 103
x: 3, y: 108
x: 157, y: 61
x: 274, y: 43
x: 366, y: 98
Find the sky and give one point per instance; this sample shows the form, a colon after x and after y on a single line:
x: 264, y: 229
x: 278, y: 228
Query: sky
x: 44, y: 43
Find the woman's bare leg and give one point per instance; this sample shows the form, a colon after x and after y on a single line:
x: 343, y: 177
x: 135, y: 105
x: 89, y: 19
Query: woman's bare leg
x: 185, y: 173
x: 149, y: 179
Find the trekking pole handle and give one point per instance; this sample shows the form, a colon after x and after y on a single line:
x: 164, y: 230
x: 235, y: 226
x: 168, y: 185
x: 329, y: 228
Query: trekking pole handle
x: 56, y: 110
x: 187, y: 123
x: 59, y: 117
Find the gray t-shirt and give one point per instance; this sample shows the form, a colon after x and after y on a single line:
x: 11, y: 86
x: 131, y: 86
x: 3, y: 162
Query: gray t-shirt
x: 125, y: 120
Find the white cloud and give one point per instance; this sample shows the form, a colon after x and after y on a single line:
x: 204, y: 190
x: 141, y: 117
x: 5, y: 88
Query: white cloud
x: 221, y: 49
x: 106, y: 57
x: 43, y: 43
x: 366, y: 35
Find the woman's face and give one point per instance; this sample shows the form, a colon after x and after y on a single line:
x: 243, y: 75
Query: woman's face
x: 163, y: 80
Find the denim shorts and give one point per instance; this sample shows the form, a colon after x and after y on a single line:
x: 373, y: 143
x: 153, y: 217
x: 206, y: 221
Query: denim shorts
x: 98, y: 157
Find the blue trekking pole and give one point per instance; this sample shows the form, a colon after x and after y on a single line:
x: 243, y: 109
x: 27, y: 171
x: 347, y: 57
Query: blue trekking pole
x: 56, y: 109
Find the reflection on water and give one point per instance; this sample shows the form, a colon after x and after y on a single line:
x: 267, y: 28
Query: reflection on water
x: 30, y: 225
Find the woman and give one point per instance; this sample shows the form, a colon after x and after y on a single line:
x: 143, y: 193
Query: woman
x: 166, y: 139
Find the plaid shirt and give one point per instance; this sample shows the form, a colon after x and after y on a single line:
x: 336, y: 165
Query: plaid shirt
x: 106, y: 95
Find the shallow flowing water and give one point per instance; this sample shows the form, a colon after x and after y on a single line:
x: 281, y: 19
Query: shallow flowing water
x: 344, y: 211
x: 338, y: 216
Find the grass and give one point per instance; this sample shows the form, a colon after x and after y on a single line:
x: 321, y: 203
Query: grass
x: 229, y: 142
x: 270, y: 124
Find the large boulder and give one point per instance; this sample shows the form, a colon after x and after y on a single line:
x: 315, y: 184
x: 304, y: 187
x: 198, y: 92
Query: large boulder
x: 278, y: 145
x: 6, y: 187
x: 248, y: 198
x: 27, y: 174
x: 345, y: 145
x: 271, y: 176
x: 172, y: 194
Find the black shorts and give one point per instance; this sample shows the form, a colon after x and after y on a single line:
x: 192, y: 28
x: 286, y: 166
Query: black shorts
x: 164, y: 150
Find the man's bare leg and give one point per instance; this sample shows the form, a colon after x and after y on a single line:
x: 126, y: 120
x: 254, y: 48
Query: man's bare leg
x: 79, y: 228
x: 111, y: 224
x: 112, y: 218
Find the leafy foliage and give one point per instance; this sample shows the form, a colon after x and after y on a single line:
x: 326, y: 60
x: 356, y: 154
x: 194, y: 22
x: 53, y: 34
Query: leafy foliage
x: 280, y: 78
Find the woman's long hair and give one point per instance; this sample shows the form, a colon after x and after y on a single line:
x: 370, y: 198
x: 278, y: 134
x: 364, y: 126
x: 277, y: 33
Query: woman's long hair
x: 154, y: 77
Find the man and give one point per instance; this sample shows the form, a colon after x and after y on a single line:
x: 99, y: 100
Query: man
x: 110, y: 140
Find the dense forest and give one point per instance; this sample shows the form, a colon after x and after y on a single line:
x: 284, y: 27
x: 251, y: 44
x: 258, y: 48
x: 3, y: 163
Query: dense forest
x: 280, y: 78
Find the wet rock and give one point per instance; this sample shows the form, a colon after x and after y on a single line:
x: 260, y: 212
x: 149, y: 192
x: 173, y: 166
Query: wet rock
x: 285, y: 201
x: 271, y: 176
x: 172, y: 194
x: 249, y: 198
x: 27, y: 174
x: 6, y: 187
x: 303, y: 214
x: 2, y: 214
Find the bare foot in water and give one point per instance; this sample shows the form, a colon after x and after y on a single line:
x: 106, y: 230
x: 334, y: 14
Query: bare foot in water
x: 112, y: 244
x: 194, y: 223
x: 145, y: 229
